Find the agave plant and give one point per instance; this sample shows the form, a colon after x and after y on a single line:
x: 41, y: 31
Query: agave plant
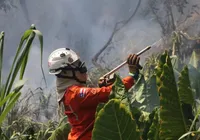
x: 9, y: 92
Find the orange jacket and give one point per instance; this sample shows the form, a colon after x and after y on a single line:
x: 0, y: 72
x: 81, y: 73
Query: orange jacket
x: 80, y: 106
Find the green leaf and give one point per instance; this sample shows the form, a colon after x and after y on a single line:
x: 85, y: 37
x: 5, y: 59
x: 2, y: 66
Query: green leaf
x: 184, y: 88
x: 1, y: 54
x: 137, y: 94
x: 186, y: 96
x: 3, y: 136
x: 136, y: 113
x: 7, y: 87
x: 172, y: 121
x: 176, y: 62
x: 152, y: 94
x: 114, y: 122
x: 99, y: 107
x: 138, y: 91
x: 6, y: 98
x: 9, y: 98
x: 118, y: 89
x: 61, y: 133
x: 21, y: 57
x: 24, y: 63
x: 9, y: 106
x: 153, y: 126
x: 195, y: 59
x: 18, y: 85
x: 194, y: 76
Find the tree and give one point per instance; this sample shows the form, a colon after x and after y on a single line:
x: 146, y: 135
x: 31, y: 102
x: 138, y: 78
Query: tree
x: 164, y: 15
x: 119, y: 25
x: 6, y: 5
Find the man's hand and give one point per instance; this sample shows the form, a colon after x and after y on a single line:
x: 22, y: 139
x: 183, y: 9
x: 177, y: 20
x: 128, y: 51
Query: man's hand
x: 104, y: 82
x: 133, y: 64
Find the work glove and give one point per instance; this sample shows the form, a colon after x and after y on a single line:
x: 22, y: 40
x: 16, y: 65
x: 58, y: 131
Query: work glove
x: 133, y: 65
x: 106, y: 81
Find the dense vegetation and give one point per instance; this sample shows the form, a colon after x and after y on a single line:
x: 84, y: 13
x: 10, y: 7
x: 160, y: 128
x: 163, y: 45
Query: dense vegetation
x: 162, y: 104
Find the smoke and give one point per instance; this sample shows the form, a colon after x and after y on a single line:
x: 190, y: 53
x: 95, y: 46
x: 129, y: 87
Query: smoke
x: 84, y: 26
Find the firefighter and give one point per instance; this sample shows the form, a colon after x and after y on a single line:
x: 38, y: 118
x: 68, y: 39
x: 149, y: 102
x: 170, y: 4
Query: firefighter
x: 80, y: 101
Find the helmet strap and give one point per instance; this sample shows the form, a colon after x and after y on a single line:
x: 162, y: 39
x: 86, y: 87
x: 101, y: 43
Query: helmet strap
x: 71, y: 77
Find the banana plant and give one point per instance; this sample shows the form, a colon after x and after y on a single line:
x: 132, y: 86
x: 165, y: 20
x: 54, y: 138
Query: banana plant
x: 10, y: 91
x: 173, y: 121
x: 115, y: 122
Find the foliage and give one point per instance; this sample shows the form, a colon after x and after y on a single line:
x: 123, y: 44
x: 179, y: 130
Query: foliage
x: 61, y: 132
x: 161, y: 104
x: 10, y: 93
x: 195, y: 59
x: 172, y: 123
x: 114, y: 122
x: 195, y: 73
x: 169, y: 120
x: 153, y: 133
x: 185, y: 90
x: 149, y: 66
x: 171, y: 117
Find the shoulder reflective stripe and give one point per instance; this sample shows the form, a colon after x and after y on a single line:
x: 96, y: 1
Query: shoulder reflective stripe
x: 84, y: 90
x: 81, y: 90
x: 73, y: 112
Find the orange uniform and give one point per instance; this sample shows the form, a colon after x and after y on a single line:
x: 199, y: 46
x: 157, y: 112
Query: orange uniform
x: 80, y: 106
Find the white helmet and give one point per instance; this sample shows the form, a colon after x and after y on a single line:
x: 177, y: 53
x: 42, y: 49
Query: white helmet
x: 61, y: 58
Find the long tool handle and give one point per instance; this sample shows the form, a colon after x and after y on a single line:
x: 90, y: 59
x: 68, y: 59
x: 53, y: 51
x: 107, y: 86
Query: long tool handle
x: 124, y: 63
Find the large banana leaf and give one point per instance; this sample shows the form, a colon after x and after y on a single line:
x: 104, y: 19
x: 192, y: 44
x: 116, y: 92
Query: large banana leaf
x: 152, y: 92
x: 144, y: 94
x: 118, y: 89
x: 172, y: 122
x: 184, y: 88
x: 138, y: 94
x: 118, y: 92
x: 186, y: 96
x: 114, y: 122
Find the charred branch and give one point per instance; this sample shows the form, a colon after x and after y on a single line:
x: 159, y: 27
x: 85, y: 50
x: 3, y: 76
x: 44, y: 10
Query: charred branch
x: 119, y: 25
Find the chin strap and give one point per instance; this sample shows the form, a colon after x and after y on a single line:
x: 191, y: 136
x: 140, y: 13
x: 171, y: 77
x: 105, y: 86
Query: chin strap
x: 71, y: 77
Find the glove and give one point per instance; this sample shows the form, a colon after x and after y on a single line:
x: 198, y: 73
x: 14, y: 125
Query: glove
x: 133, y: 64
x: 104, y: 82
